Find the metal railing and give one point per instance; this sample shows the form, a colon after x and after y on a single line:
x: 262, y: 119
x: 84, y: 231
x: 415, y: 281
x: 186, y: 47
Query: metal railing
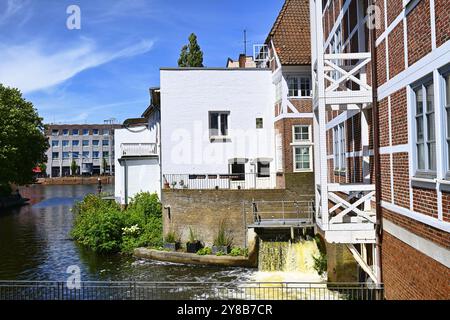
x: 283, y: 212
x: 138, y: 149
x: 130, y: 290
x: 220, y: 181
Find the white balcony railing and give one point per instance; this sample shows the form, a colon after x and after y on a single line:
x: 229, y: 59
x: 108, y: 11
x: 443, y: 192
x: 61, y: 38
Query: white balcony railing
x: 138, y: 149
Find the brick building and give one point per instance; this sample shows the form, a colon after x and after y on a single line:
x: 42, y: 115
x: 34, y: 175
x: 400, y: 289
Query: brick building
x: 382, y: 123
x: 287, y: 53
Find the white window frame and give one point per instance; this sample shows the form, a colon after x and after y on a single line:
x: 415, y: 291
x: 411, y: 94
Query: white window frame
x: 55, y: 143
x: 302, y: 143
x: 294, y: 140
x: 294, y: 152
x: 299, y: 78
x: 445, y: 106
x: 221, y: 135
x: 426, y: 172
x: 339, y: 148
x: 57, y: 157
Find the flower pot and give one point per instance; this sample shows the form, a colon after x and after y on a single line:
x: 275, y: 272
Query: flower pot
x: 193, y: 247
x: 223, y: 249
x: 172, y: 246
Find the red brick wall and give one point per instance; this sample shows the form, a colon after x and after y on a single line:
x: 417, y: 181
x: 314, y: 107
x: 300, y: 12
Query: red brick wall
x: 381, y: 63
x: 425, y: 231
x: 385, y: 162
x: 442, y: 15
x: 396, y: 50
x: 302, y: 105
x: 419, y: 31
x: 383, y: 112
x: 410, y: 274
x: 446, y: 206
x: 425, y: 201
x: 401, y: 179
x: 394, y: 8
x: 399, y: 117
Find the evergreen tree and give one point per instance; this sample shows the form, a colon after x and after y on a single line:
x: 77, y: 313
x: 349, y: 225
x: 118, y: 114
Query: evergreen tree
x: 191, y: 55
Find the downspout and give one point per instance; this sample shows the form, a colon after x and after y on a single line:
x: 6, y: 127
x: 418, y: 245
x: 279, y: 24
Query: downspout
x: 376, y: 149
x: 125, y: 178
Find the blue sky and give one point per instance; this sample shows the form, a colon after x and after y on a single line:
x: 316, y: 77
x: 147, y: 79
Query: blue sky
x: 104, y: 69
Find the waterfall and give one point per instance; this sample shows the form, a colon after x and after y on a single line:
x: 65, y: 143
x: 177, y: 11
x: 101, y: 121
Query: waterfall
x: 287, y: 256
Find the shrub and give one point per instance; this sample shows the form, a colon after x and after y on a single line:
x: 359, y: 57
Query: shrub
x: 104, y: 227
x: 236, y: 252
x: 192, y: 236
x: 320, y: 263
x: 204, y: 251
x: 223, y: 237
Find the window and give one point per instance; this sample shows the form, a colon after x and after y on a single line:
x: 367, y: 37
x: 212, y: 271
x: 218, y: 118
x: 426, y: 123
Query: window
x: 65, y: 143
x: 263, y: 169
x: 85, y: 132
x: 95, y: 143
x: 75, y: 155
x: 259, y: 123
x: 86, y: 154
x: 75, y: 132
x: 55, y: 132
x: 65, y: 132
x: 95, y: 154
x: 55, y: 155
x: 238, y: 170
x: 95, y: 132
x: 340, y: 159
x: 447, y: 117
x: 55, y: 143
x: 299, y: 86
x: 105, y: 154
x: 65, y: 155
x: 301, y: 133
x: 105, y: 142
x: 75, y: 143
x: 218, y: 124
x: 302, y: 158
x: 105, y: 132
x: 425, y: 136
x: 85, y: 143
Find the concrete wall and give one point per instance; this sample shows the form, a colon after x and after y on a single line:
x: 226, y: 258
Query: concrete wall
x: 203, y: 210
x: 188, y: 95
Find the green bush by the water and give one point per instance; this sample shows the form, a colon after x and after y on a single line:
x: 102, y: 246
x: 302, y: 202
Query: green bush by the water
x: 102, y: 226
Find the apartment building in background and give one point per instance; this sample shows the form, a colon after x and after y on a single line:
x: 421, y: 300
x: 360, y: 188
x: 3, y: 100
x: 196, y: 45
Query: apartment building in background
x: 382, y: 124
x: 86, y: 144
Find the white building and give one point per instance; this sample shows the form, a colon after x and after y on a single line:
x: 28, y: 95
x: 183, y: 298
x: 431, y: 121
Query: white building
x: 216, y: 128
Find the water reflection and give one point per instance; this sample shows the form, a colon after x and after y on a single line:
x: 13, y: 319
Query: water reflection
x: 35, y: 245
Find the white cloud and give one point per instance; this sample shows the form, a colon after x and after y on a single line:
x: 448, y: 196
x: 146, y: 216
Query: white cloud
x: 30, y: 68
x: 12, y: 8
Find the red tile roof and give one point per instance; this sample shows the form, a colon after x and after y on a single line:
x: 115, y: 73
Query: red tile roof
x: 291, y: 33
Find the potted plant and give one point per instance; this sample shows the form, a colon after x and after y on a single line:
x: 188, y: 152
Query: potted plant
x: 223, y: 240
x: 193, y: 245
x: 172, y: 241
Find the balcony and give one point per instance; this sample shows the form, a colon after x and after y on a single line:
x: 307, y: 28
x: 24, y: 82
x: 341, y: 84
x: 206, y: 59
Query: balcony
x: 345, y: 79
x: 220, y: 181
x: 350, y: 217
x: 138, y: 150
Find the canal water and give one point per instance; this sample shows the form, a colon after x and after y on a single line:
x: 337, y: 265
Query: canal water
x: 35, y: 245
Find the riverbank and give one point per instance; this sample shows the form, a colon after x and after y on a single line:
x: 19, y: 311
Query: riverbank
x: 75, y: 180
x: 192, y: 258
x: 12, y: 201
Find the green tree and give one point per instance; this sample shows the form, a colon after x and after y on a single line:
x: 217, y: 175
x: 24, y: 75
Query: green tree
x: 22, y: 140
x: 104, y: 165
x: 191, y: 55
x: 74, y: 167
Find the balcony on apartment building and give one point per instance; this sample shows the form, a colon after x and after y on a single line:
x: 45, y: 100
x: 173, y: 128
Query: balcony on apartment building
x: 345, y: 80
x: 220, y: 181
x: 136, y: 150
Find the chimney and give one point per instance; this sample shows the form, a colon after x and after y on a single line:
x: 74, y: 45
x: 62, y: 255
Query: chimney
x: 242, y: 60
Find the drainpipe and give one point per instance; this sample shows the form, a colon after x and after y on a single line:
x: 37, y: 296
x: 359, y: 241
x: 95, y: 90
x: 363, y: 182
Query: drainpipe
x: 125, y: 179
x: 376, y: 151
